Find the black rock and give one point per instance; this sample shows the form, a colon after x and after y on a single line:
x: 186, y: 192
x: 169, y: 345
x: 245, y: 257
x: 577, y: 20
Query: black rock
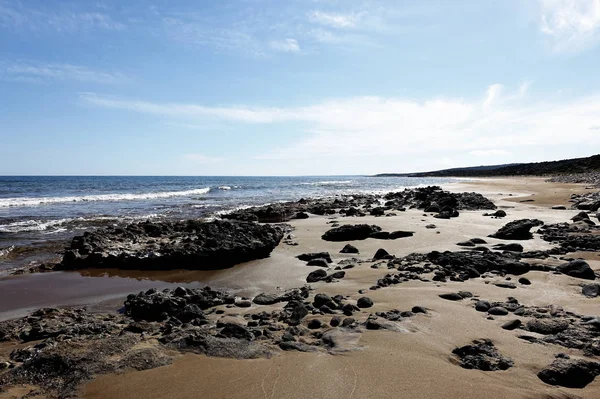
x: 321, y: 299
x: 419, y: 309
x: 547, y: 326
x: 316, y: 275
x: 453, y: 296
x: 190, y: 244
x: 350, y: 232
x: 512, y: 325
x: 482, y: 355
x: 577, y: 268
x: 315, y: 255
x: 482, y: 306
x: 513, y: 247
x: 400, y: 234
x: 364, y: 302
x: 335, y: 321
x: 524, y: 281
x: 591, y: 290
x: 498, y: 311
x: 301, y: 215
x: 236, y: 331
x: 382, y: 254
x: 518, y: 229
x: 478, y: 241
x: 315, y: 324
x: 498, y: 214
x: 570, y: 373
x: 349, y: 249
x: 466, y: 243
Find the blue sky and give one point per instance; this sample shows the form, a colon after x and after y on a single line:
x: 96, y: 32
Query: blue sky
x: 297, y: 87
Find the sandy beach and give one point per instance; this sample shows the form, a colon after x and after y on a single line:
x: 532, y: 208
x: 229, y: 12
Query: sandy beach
x: 415, y: 361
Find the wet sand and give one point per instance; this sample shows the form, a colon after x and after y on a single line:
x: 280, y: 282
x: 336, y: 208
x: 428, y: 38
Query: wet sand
x: 416, y: 363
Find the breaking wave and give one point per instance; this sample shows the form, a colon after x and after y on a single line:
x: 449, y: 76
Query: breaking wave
x: 29, y: 201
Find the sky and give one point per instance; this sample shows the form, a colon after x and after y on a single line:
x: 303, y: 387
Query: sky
x: 295, y: 87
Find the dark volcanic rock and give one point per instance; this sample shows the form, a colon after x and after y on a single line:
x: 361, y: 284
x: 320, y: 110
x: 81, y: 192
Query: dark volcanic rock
x: 498, y: 214
x: 172, y: 245
x: 349, y: 249
x: 382, y: 254
x: 547, y: 326
x: 315, y: 276
x: 512, y: 325
x: 517, y: 230
x: 182, y: 303
x: 474, y: 263
x: 453, y: 296
x: 570, y: 373
x: 315, y: 255
x: 513, y: 247
x: 350, y: 232
x: 577, y: 268
x: 591, y: 290
x: 498, y: 311
x: 482, y: 355
x: 364, y: 302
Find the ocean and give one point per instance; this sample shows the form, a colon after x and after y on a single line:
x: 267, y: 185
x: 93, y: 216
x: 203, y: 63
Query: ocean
x: 37, y: 211
x: 38, y: 215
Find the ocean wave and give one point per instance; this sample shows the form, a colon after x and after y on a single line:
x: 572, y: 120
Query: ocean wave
x: 224, y: 188
x: 327, y: 183
x: 6, y: 251
x: 58, y: 225
x: 34, y: 201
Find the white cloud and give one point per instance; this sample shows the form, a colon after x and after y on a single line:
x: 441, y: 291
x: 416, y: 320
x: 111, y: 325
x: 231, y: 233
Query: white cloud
x: 42, y: 73
x: 395, y: 127
x: 287, y: 45
x: 490, y: 153
x: 572, y: 25
x: 66, y: 21
x: 335, y: 20
x: 492, y: 94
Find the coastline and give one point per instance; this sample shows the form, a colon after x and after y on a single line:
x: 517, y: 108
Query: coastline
x: 416, y: 361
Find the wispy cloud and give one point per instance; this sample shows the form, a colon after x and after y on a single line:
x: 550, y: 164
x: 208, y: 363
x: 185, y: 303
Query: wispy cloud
x: 16, y: 15
x: 287, y: 45
x: 199, y: 33
x: 47, y: 72
x: 572, y: 25
x: 335, y: 20
x: 379, y: 126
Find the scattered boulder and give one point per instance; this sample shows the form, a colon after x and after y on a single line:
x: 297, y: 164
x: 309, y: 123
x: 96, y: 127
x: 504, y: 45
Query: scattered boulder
x: 364, y: 302
x: 517, y: 230
x: 349, y: 249
x: 547, y: 326
x: 498, y: 214
x: 316, y: 276
x: 350, y: 232
x: 524, y: 281
x: 577, y: 268
x: 591, y: 290
x: 498, y: 311
x: 512, y: 247
x: 512, y: 325
x: 570, y: 373
x: 382, y: 254
x: 315, y: 255
x: 482, y: 355
x: 468, y: 243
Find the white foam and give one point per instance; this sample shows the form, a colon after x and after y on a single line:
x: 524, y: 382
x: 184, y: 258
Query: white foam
x: 224, y: 188
x: 34, y: 201
x: 6, y: 251
x: 328, y: 183
x: 58, y: 225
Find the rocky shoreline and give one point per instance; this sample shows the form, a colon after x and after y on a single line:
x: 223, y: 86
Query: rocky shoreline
x: 55, y: 350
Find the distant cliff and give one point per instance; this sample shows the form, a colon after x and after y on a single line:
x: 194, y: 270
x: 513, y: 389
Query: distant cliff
x: 565, y: 166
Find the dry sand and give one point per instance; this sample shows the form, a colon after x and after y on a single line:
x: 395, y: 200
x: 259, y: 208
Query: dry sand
x: 414, y: 363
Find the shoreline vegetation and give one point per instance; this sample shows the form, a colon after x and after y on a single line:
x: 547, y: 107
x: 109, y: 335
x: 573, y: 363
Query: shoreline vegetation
x: 577, y: 170
x: 490, y: 287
